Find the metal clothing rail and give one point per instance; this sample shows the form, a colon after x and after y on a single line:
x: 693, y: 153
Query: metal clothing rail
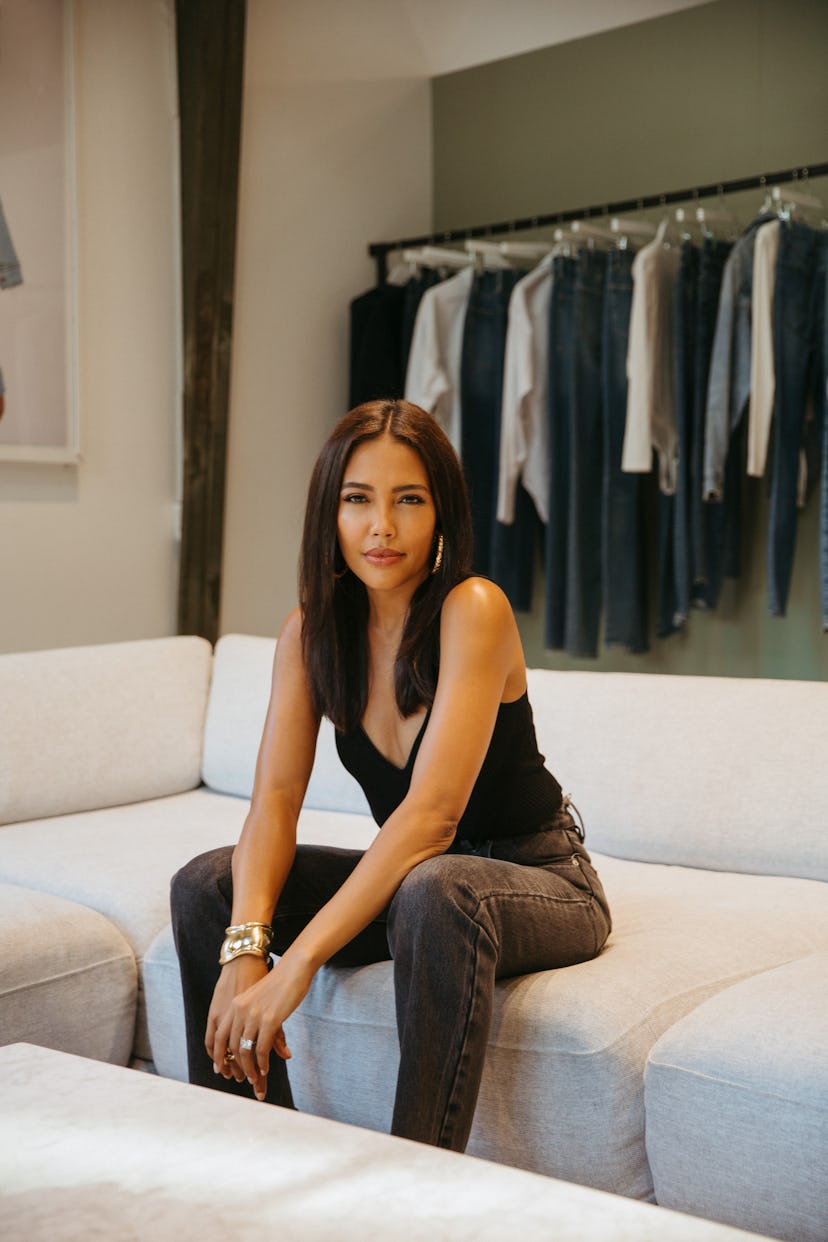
x: 379, y: 251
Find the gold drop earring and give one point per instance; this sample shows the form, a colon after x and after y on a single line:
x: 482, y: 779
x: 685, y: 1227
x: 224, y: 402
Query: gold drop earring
x: 438, y: 560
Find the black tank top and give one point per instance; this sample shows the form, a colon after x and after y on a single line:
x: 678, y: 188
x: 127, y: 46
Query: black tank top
x: 514, y: 793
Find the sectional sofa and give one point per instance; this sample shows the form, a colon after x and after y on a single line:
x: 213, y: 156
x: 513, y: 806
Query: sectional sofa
x: 687, y: 1064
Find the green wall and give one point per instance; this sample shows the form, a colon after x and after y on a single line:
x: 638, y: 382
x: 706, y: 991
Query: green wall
x: 722, y: 91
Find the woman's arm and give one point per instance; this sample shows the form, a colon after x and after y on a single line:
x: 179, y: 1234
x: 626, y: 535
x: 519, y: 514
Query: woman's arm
x: 265, y: 852
x: 481, y: 663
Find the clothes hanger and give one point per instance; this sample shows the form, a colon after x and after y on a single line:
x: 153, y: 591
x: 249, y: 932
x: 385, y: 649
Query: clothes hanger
x: 487, y: 255
x: 436, y: 257
x: 789, y: 202
x: 591, y: 233
x: 625, y: 229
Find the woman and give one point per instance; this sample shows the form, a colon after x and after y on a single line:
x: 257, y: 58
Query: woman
x: 478, y: 871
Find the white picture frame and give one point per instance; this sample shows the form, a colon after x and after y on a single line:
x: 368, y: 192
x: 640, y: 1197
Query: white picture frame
x: 38, y: 234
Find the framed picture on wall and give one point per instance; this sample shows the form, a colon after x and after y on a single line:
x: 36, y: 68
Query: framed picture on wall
x: 38, y: 302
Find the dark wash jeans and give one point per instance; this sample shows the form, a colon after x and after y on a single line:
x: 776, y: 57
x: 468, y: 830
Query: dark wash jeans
x: 457, y: 923
x: 504, y: 553
x: 821, y: 412
x: 623, y: 516
x: 561, y: 368
x: 797, y: 357
x: 584, y: 557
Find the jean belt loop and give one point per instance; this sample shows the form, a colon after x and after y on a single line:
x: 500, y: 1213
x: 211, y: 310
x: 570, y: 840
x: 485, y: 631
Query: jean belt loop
x: 579, y: 826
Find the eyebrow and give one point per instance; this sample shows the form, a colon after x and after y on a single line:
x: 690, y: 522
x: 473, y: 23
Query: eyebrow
x: 404, y: 487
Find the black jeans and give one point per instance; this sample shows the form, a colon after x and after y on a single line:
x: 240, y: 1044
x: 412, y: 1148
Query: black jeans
x: 457, y: 923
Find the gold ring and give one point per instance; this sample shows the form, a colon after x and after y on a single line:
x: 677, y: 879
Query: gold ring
x: 228, y: 1056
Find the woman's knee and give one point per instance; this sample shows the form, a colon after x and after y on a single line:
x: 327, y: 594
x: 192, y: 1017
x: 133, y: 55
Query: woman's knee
x: 436, y: 888
x: 202, y: 883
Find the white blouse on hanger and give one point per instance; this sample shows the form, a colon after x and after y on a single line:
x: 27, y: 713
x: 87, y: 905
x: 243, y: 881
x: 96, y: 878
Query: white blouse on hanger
x: 524, y: 422
x: 651, y: 411
x: 762, y: 373
x: 432, y: 378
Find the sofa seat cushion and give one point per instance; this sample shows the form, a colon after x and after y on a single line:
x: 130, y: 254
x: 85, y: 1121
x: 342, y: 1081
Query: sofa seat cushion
x: 67, y: 977
x: 562, y: 1092
x: 120, y: 860
x: 737, y: 1105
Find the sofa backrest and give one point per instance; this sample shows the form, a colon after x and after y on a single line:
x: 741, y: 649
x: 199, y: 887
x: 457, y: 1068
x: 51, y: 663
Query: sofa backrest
x: 88, y: 727
x: 235, y: 718
x: 728, y: 774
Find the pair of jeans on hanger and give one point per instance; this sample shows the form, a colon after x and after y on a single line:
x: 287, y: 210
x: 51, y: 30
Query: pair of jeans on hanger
x: 504, y: 553
x: 624, y: 495
x: 798, y: 331
x: 457, y: 923
x: 700, y: 543
x: 574, y: 558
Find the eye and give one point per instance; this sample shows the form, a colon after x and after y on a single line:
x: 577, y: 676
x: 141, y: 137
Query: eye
x: 412, y: 499
x: 354, y: 498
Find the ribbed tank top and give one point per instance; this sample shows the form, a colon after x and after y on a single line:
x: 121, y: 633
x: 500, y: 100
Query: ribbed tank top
x: 514, y: 792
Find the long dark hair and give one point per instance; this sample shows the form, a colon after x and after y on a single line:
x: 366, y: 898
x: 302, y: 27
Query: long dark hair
x: 335, y: 603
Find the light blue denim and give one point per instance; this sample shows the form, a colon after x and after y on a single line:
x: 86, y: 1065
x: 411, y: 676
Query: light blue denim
x: 729, y: 383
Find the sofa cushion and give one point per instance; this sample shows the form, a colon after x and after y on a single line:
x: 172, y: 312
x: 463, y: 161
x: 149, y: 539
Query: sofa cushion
x: 562, y: 1091
x: 89, y: 727
x: 235, y: 717
x: 737, y: 1105
x: 120, y: 861
x: 700, y: 771
x: 67, y: 977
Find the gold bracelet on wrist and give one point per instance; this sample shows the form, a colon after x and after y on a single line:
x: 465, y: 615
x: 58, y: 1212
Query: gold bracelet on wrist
x: 243, y: 938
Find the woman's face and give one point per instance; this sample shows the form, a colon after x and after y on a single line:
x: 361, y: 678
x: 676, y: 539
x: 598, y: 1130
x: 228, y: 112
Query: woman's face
x: 386, y: 518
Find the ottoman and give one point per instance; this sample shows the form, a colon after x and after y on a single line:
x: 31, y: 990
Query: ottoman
x: 97, y: 1151
x: 67, y: 977
x: 736, y: 1100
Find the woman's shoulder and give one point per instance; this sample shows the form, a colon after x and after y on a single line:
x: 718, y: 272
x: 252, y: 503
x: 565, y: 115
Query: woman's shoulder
x: 478, y: 602
x: 479, y: 596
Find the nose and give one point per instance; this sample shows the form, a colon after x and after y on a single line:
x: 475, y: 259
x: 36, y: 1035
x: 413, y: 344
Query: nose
x: 382, y: 525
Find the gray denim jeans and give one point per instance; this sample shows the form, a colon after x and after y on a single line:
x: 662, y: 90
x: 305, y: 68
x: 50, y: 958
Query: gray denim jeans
x: 458, y: 922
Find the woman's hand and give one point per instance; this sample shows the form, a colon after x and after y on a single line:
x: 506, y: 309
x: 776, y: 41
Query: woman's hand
x: 254, y: 1014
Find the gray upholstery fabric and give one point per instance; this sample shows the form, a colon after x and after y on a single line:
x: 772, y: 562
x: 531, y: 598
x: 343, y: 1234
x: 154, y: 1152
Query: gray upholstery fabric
x: 695, y: 771
x: 737, y: 1105
x: 238, y: 704
x: 67, y: 977
x: 87, y: 727
x: 563, y: 1091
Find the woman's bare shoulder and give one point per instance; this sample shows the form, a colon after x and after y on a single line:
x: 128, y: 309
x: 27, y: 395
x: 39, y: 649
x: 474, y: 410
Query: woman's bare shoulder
x: 478, y: 601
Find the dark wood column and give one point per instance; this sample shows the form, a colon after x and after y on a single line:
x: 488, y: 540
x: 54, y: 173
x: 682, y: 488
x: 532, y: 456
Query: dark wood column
x: 210, y: 39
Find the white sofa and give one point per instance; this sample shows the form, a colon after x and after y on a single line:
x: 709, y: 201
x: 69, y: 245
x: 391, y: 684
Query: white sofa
x: 686, y: 1064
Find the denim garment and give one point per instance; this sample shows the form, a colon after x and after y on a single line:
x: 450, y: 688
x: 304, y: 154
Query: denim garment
x: 457, y: 923
x: 797, y: 313
x: 623, y: 514
x: 10, y: 273
x: 584, y: 558
x: 729, y: 382
x: 561, y: 367
x: 707, y: 520
x: 676, y: 573
x: 413, y: 291
x: 504, y: 553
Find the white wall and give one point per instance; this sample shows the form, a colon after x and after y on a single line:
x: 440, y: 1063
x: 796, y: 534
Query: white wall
x: 88, y: 553
x: 328, y: 163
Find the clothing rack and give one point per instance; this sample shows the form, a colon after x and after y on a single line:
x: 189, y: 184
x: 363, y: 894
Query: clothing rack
x: 379, y: 251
